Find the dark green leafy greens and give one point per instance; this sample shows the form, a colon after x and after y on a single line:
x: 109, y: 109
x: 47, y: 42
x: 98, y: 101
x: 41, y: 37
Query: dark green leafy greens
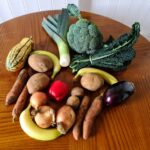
x: 116, y: 55
x: 73, y: 11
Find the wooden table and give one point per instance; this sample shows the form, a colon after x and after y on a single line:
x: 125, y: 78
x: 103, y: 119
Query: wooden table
x: 123, y: 127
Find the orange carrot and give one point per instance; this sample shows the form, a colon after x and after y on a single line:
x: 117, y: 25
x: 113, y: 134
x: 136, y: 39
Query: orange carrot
x: 91, y: 115
x: 20, y: 104
x: 80, y: 117
x: 16, y: 89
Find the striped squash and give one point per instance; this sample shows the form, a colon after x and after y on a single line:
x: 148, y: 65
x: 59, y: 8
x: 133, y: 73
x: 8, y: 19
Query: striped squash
x: 18, y: 54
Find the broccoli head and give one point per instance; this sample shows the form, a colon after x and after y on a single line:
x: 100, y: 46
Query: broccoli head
x: 84, y: 37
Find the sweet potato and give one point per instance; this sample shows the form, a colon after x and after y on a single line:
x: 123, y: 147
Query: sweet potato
x: 19, y: 84
x: 91, y: 115
x: 80, y: 117
x: 20, y: 104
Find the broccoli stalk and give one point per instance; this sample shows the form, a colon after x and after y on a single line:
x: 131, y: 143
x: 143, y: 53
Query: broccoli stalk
x: 57, y: 27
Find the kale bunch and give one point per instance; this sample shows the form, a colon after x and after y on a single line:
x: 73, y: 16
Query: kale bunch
x: 115, y: 56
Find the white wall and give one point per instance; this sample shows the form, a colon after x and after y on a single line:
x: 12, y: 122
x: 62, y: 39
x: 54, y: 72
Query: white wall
x: 125, y: 11
x: 12, y: 8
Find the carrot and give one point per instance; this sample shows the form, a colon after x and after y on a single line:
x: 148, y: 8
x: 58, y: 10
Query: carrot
x: 80, y: 117
x: 91, y: 115
x: 20, y: 104
x: 17, y: 87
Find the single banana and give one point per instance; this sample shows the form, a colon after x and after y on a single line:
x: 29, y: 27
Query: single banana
x: 35, y: 132
x: 54, y: 59
x: 105, y: 75
x: 18, y: 54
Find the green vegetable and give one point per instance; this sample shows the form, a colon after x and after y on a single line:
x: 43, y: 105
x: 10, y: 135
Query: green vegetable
x: 57, y: 27
x: 116, y: 56
x: 83, y: 36
x: 74, y: 11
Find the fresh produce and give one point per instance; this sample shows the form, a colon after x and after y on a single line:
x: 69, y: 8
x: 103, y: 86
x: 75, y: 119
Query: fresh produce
x: 73, y: 101
x: 38, y: 99
x: 80, y: 117
x: 40, y: 63
x: 77, y: 91
x: 91, y: 81
x: 58, y: 90
x: 45, y: 117
x: 116, y: 55
x: 83, y: 36
x: 91, y: 115
x: 57, y: 27
x: 20, y: 104
x: 117, y: 93
x: 17, y: 87
x: 18, y: 55
x: 65, y: 119
x: 35, y: 132
x: 53, y: 57
x: 37, y: 82
x: 110, y: 79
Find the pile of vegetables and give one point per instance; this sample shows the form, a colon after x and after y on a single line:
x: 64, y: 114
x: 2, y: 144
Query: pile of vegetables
x: 36, y: 79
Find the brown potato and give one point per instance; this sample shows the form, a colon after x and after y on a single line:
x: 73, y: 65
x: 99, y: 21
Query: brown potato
x: 92, y: 81
x: 37, y: 82
x: 73, y: 101
x: 40, y: 63
x: 77, y: 91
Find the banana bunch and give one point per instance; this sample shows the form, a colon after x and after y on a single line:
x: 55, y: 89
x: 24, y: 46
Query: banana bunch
x: 105, y: 75
x: 35, y: 132
x: 54, y: 59
x: 18, y: 54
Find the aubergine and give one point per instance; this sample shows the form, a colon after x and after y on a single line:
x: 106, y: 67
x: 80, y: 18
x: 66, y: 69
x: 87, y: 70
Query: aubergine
x: 117, y: 93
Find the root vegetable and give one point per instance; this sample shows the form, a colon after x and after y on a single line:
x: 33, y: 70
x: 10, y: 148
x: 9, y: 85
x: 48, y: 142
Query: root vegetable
x: 91, y: 115
x: 20, y: 104
x: 37, y: 82
x: 45, y: 117
x: 92, y: 81
x: 80, y: 117
x: 17, y: 88
x: 65, y: 119
x: 77, y: 91
x: 37, y: 99
x: 40, y: 63
x: 73, y: 101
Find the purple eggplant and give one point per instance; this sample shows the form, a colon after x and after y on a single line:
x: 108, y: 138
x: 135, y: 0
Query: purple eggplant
x: 117, y: 93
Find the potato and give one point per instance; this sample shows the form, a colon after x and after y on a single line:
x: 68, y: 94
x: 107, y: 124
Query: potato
x: 77, y: 91
x: 92, y: 81
x: 73, y: 101
x: 40, y: 63
x: 37, y: 82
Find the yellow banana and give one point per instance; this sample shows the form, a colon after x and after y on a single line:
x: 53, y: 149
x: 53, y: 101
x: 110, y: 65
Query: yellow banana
x: 54, y: 59
x: 35, y: 132
x: 105, y: 75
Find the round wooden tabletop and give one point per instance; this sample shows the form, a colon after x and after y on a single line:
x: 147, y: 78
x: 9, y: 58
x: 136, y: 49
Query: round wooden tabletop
x: 126, y: 126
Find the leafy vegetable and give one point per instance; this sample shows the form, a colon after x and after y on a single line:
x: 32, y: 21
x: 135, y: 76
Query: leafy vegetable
x: 83, y: 36
x: 57, y: 27
x: 115, y: 56
x: 73, y: 11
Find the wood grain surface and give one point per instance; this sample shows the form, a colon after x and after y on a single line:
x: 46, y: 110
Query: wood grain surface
x: 126, y: 126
